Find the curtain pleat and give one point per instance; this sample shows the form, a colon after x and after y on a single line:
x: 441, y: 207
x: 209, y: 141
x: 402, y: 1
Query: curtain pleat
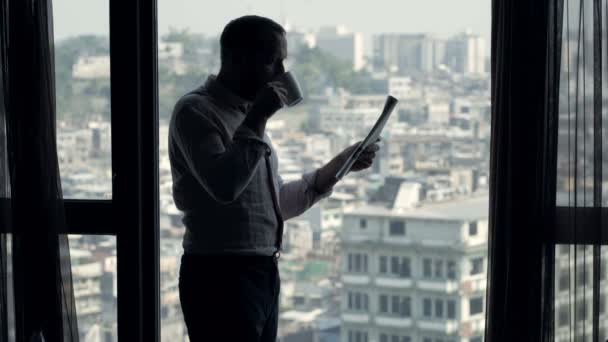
x: 41, y: 272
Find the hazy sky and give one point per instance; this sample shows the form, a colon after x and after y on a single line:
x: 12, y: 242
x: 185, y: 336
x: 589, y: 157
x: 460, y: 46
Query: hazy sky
x: 443, y: 17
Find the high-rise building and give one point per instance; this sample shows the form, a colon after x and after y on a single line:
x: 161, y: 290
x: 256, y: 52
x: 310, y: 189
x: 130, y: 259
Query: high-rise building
x: 465, y: 53
x: 407, y: 53
x: 413, y: 271
x: 342, y: 43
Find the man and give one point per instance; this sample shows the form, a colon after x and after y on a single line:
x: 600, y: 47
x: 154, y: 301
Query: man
x: 226, y: 183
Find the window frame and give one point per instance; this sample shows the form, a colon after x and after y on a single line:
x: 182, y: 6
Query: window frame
x: 132, y: 215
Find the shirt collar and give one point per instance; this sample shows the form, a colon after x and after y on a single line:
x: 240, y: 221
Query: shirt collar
x: 225, y: 95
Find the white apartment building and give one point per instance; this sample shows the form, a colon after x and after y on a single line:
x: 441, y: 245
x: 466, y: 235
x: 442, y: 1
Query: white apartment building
x: 351, y: 115
x: 415, y: 274
x: 342, y: 43
x: 465, y: 53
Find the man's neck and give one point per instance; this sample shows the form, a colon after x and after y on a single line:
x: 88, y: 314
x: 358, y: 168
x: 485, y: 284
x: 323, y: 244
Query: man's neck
x: 232, y: 83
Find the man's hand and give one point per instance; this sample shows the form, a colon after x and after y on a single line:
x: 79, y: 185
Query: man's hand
x: 366, y: 158
x: 267, y: 102
x: 326, y: 177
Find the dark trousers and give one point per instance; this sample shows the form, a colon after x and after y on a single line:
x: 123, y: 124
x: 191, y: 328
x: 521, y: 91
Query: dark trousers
x: 230, y: 298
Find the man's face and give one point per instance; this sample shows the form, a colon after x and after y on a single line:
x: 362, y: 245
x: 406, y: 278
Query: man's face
x: 267, y: 64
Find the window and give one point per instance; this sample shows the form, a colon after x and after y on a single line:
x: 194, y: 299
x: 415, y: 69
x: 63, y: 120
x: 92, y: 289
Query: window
x: 358, y: 301
x: 439, y: 308
x: 357, y: 336
x: 395, y: 305
x: 384, y: 338
x: 476, y: 266
x: 357, y: 262
x: 473, y: 228
x: 476, y: 339
x: 395, y: 265
x: 451, y: 308
x: 302, y: 129
x: 426, y: 268
x: 426, y: 307
x: 451, y: 271
x: 438, y: 268
x: 397, y: 228
x: 406, y: 307
x: 405, y: 268
x: 475, y: 306
x: 383, y: 264
x: 383, y: 304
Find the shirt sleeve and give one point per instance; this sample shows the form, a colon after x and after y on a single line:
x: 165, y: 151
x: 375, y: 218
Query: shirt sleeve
x: 223, y: 169
x: 297, y: 196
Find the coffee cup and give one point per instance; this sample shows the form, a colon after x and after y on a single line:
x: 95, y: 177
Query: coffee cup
x: 294, y: 92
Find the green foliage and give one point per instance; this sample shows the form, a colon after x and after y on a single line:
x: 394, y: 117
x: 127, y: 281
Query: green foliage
x: 78, y: 99
x: 317, y: 69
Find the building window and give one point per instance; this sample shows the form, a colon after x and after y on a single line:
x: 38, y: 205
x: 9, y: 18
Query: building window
x: 357, y: 336
x: 383, y: 264
x: 395, y: 265
x: 426, y: 307
x: 475, y: 306
x: 451, y: 271
x: 383, y: 304
x: 451, y: 304
x: 357, y: 262
x: 426, y: 268
x: 397, y: 228
x: 438, y: 308
x: 476, y: 266
x: 395, y: 305
x: 427, y: 339
x: 473, y: 228
x: 476, y: 339
x: 406, y: 271
x: 362, y: 223
x: 358, y: 301
x: 406, y: 307
x: 384, y: 338
x: 438, y: 268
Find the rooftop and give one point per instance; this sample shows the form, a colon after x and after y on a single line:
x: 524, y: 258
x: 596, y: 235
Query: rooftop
x: 459, y: 209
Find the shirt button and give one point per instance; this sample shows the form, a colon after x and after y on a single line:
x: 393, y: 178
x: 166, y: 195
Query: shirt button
x: 268, y: 151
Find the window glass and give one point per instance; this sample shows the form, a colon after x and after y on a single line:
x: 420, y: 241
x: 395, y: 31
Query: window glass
x: 93, y: 260
x: 82, y: 86
x: 430, y: 177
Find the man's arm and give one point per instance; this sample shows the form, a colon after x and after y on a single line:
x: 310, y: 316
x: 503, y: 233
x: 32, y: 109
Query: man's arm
x: 297, y: 196
x: 223, y: 170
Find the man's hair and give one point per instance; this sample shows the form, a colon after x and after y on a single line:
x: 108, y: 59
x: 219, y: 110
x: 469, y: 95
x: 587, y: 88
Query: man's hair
x: 247, y: 35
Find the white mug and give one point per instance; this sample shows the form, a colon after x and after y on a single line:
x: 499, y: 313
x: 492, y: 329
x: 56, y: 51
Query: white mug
x: 294, y: 92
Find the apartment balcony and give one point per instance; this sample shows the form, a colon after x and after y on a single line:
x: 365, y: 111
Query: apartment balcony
x: 356, y: 279
x: 473, y: 284
x: 445, y: 286
x: 390, y: 282
x: 356, y: 317
x: 440, y: 326
x: 393, y: 322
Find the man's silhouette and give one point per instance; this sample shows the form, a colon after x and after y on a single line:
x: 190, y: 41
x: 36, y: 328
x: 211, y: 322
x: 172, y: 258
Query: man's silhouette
x: 226, y: 183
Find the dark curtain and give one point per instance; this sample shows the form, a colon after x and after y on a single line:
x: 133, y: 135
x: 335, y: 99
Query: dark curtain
x: 32, y: 205
x: 525, y: 62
